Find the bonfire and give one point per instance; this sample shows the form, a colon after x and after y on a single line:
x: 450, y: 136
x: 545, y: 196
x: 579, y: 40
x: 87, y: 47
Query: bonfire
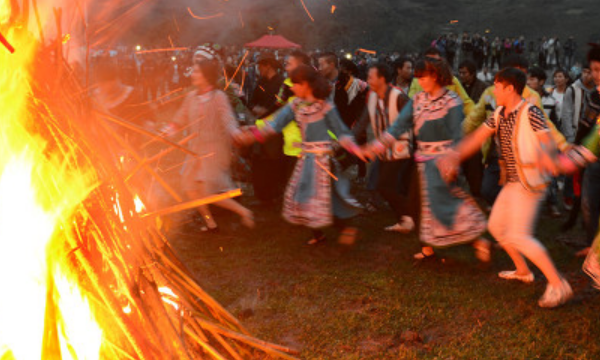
x: 85, y: 270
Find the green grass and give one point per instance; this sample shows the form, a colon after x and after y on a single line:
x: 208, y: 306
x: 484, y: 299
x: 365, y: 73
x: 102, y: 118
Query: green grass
x: 363, y: 302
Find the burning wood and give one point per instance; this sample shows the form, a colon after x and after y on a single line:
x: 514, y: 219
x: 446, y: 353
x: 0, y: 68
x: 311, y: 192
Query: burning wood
x: 85, y: 275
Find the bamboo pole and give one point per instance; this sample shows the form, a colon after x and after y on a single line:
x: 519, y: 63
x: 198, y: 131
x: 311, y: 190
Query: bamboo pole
x: 143, y: 131
x: 194, y: 203
x: 269, y: 348
x: 37, y: 19
x: 195, y: 288
x: 157, y: 157
x: 158, y: 178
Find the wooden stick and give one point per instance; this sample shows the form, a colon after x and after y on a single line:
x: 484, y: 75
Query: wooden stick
x: 143, y: 131
x: 126, y: 146
x: 211, y: 350
x: 195, y: 203
x: 266, y: 346
x: 118, y: 349
x: 37, y: 19
x: 196, y: 289
x: 158, y: 156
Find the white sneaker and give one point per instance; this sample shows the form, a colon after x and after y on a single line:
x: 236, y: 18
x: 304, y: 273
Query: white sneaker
x: 405, y: 226
x: 512, y: 275
x: 556, y: 296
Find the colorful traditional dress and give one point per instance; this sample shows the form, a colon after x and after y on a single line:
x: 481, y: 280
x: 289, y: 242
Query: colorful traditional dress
x: 449, y: 215
x: 210, y: 117
x: 317, y: 191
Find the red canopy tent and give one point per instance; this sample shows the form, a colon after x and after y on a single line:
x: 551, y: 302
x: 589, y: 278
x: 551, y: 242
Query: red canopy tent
x: 273, y: 42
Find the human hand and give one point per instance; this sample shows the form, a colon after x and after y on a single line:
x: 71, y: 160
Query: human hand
x: 549, y: 165
x: 368, y: 153
x: 448, y: 168
x: 259, y: 111
x: 566, y: 165
x: 243, y: 137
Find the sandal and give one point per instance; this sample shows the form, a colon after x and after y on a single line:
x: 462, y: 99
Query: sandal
x: 426, y: 253
x: 316, y: 240
x: 348, y: 236
x: 421, y: 256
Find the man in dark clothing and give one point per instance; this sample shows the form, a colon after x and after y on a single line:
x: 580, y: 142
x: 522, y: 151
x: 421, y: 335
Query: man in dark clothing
x: 264, y: 95
x: 467, y: 72
x: 348, y: 92
x: 268, y: 161
x: 393, y: 174
x: 473, y: 167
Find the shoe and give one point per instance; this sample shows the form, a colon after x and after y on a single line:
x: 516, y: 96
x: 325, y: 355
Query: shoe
x: 405, y: 226
x: 483, y: 250
x: 512, y: 275
x: 426, y: 253
x: 316, y: 240
x: 556, y: 296
x: 348, y: 236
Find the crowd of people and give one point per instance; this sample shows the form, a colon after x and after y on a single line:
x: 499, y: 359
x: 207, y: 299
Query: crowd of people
x: 451, y: 156
x: 546, y: 52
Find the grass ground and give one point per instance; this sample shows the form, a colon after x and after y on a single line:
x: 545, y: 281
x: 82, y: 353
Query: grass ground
x: 371, y: 301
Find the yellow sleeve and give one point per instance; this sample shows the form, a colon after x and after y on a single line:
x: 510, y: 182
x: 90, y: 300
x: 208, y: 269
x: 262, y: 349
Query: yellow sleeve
x: 414, y: 88
x: 457, y: 87
x: 479, y: 113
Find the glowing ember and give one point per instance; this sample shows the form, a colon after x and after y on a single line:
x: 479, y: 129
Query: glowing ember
x: 307, y: 12
x: 205, y: 17
x: 139, y: 205
x: 367, y: 51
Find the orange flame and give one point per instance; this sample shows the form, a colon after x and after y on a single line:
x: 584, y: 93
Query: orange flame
x: 35, y: 214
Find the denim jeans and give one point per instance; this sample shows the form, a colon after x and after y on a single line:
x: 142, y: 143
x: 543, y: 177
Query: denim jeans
x: 491, y: 176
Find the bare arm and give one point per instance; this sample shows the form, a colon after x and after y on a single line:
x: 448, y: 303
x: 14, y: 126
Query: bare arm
x: 449, y: 164
x: 472, y: 143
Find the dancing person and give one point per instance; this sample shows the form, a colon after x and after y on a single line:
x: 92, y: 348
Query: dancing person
x: 317, y: 193
x: 485, y: 107
x: 449, y: 216
x: 454, y: 85
x: 528, y: 154
x: 206, y: 112
x: 393, y: 170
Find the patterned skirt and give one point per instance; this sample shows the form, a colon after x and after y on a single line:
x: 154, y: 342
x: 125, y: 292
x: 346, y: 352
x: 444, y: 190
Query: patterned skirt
x: 317, y: 191
x: 449, y: 215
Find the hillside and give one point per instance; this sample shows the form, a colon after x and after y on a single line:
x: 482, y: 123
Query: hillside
x: 377, y: 24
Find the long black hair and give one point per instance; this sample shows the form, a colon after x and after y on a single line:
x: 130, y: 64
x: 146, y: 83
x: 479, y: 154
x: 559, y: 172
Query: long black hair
x: 319, y: 85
